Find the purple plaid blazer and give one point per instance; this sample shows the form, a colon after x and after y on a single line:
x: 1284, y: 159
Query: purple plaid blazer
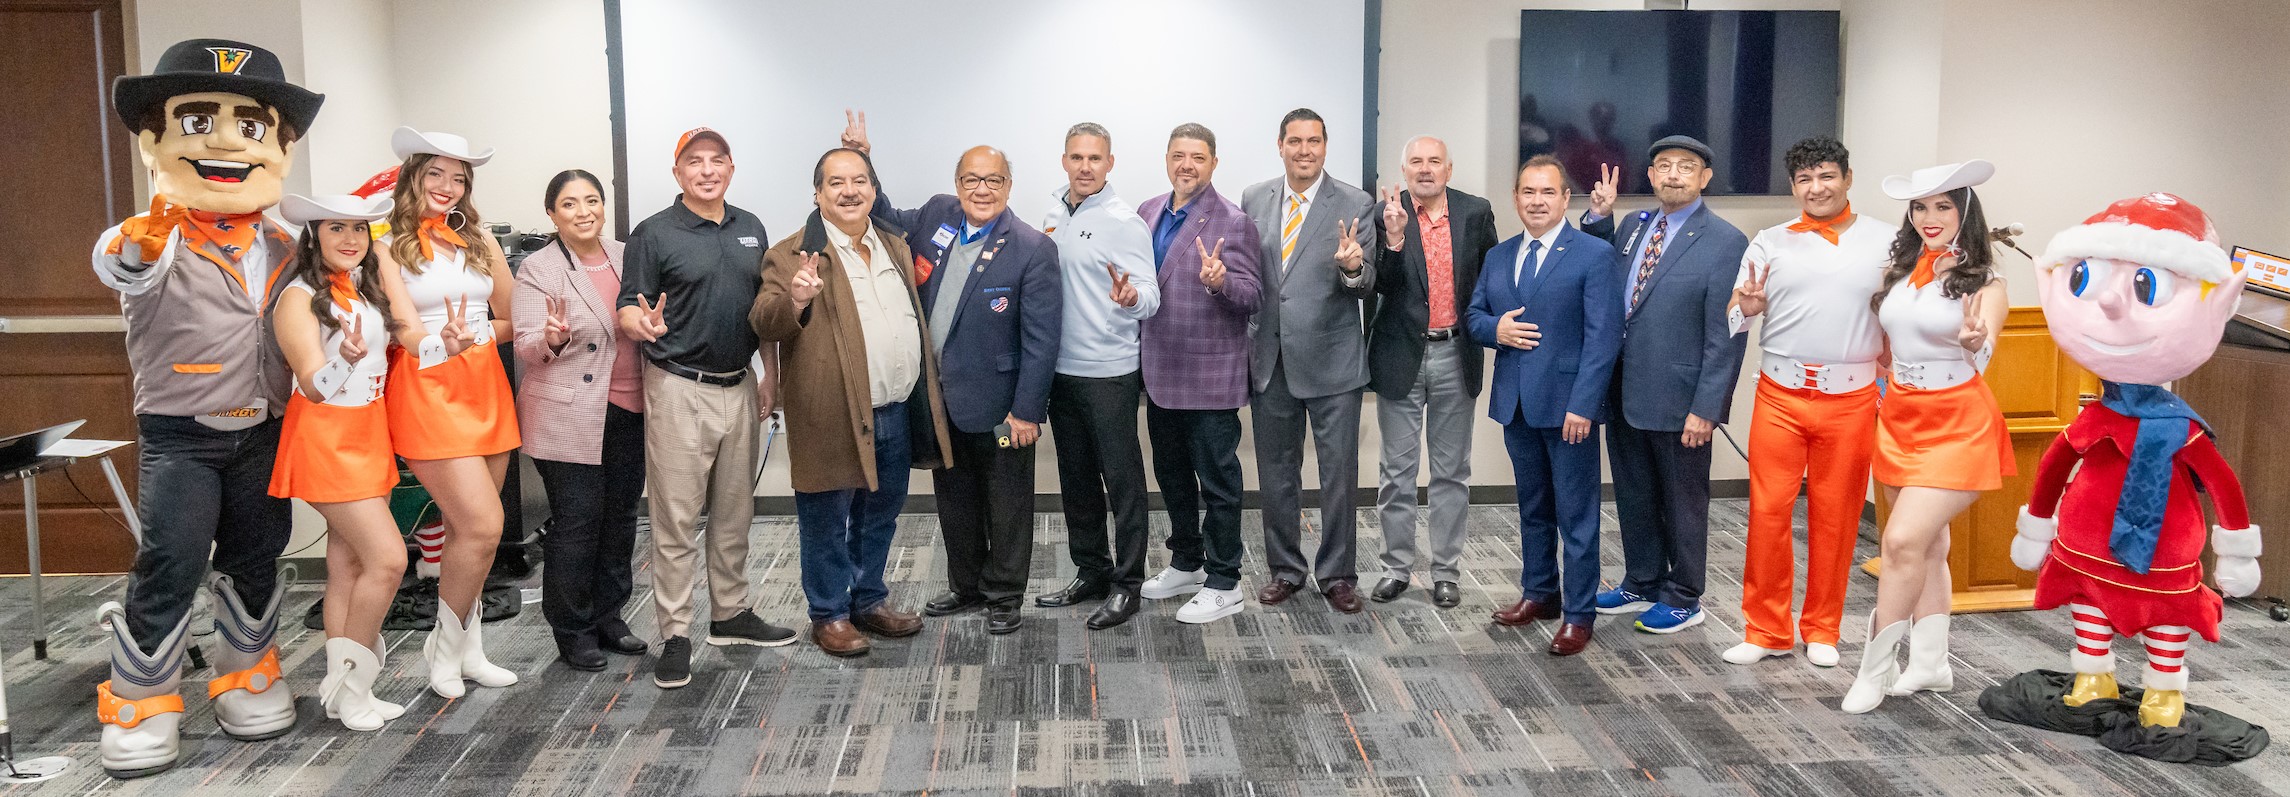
x: 1195, y: 350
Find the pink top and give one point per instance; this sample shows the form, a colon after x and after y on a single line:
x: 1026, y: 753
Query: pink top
x: 627, y: 375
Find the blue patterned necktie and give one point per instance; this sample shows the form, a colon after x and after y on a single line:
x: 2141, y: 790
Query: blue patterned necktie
x: 2146, y: 494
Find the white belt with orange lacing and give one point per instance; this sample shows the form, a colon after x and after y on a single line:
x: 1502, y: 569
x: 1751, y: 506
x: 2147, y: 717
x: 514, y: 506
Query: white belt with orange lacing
x: 1933, y: 375
x: 1832, y: 378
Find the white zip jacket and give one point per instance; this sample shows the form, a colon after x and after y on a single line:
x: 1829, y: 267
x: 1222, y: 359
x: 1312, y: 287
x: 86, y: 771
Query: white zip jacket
x: 1100, y: 336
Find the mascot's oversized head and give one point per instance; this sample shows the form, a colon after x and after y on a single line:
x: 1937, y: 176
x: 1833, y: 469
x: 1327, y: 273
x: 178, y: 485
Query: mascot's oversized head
x: 216, y: 124
x: 2139, y: 293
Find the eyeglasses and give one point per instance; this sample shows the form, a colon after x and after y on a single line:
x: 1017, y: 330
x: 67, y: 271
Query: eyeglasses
x: 1678, y: 165
x: 970, y: 182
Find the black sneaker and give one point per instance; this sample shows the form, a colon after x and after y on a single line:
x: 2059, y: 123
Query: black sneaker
x: 747, y: 629
x: 674, y: 668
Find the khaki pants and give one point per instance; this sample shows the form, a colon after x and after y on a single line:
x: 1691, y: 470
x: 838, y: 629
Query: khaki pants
x: 699, y: 452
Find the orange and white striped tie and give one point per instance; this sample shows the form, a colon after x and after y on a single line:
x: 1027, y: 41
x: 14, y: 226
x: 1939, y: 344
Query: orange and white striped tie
x: 1289, y: 227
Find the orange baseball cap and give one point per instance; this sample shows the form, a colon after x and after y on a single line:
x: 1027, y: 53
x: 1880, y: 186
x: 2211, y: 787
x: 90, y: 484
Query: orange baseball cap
x: 698, y: 133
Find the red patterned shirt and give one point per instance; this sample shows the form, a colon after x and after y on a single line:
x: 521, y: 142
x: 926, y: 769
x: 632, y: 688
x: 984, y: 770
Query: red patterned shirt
x: 1438, y: 264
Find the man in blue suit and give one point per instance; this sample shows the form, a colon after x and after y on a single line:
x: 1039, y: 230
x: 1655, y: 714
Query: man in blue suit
x: 1673, y: 384
x: 992, y: 296
x: 1549, y: 303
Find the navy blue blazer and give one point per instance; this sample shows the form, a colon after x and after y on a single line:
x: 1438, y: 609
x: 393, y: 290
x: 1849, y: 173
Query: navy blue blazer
x: 1576, y: 303
x: 1002, y: 348
x: 1677, y: 354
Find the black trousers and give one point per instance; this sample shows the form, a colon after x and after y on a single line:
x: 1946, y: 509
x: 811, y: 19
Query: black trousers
x: 205, y: 494
x: 986, y: 513
x: 1662, y: 496
x: 588, y: 555
x: 1196, y: 458
x: 1101, y: 465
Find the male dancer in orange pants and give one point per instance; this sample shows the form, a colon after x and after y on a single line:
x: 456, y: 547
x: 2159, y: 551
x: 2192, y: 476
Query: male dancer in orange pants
x: 1815, y: 415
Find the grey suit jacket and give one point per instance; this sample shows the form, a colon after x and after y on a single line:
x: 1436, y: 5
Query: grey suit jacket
x: 1678, y: 356
x: 1310, y: 318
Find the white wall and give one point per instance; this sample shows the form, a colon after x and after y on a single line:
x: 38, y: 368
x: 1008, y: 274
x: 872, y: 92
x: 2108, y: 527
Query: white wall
x: 347, y: 57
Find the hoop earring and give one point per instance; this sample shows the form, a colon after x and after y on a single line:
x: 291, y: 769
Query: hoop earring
x: 449, y: 222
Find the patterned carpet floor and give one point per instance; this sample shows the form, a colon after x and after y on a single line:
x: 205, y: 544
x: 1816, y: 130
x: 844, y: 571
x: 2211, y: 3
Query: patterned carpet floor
x: 1404, y: 699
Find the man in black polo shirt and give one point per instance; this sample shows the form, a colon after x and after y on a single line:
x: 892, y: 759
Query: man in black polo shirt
x: 691, y: 274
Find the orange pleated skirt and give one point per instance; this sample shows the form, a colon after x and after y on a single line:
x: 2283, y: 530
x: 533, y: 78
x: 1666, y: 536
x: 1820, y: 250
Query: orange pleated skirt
x: 459, y: 408
x: 1952, y: 438
x: 329, y: 454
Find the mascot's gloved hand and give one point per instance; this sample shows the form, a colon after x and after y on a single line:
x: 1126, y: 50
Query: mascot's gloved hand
x: 2237, y: 570
x: 2033, y: 543
x: 149, y: 232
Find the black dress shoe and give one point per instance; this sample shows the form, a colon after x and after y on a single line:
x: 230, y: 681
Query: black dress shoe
x: 617, y: 639
x: 1117, y: 609
x: 1445, y: 595
x: 1002, y: 618
x: 1387, y: 590
x: 582, y: 658
x: 952, y: 603
x: 1081, y: 591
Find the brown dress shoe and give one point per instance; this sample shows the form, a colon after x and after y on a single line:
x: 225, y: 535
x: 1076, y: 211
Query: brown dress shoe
x: 1524, y: 612
x: 1570, y: 640
x: 839, y: 638
x: 1343, y: 598
x: 1272, y: 594
x: 884, y: 621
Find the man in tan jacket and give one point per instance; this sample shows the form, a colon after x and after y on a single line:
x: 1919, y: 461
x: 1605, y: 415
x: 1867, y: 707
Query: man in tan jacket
x: 861, y: 392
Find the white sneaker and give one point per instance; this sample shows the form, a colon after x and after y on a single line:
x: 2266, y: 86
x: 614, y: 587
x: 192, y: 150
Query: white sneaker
x: 1821, y: 655
x: 1210, y: 605
x: 1172, y: 582
x: 1747, y: 653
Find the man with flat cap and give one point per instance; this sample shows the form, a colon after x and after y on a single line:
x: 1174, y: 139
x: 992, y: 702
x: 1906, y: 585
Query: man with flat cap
x: 1673, y: 383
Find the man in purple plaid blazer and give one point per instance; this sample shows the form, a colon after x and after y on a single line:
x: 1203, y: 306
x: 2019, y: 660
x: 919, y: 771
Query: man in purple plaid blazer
x: 1195, y: 359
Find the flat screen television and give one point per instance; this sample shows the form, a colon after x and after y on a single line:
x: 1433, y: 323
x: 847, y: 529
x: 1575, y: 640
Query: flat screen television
x: 1599, y: 87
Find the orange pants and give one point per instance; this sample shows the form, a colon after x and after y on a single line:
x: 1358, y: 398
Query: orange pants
x: 1827, y: 440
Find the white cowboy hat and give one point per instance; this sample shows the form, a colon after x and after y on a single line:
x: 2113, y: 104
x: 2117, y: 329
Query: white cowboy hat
x: 1936, y: 180
x: 299, y: 209
x: 408, y: 142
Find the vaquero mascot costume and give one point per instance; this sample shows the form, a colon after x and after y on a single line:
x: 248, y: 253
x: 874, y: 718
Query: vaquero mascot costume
x: 216, y: 124
x: 2140, y: 294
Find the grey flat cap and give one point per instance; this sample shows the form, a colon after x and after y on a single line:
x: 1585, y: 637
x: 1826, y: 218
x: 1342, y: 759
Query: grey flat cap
x: 1687, y: 143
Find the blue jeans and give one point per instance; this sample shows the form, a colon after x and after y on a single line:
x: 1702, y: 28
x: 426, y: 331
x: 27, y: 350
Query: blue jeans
x: 846, y: 534
x: 205, y: 498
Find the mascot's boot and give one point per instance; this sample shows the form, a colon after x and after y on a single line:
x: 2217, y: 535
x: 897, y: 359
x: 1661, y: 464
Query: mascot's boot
x: 349, y: 692
x: 251, y: 700
x: 1880, y: 666
x: 456, y: 650
x: 2162, y: 708
x: 141, y: 707
x: 379, y: 650
x: 2090, y: 686
x: 1927, y: 669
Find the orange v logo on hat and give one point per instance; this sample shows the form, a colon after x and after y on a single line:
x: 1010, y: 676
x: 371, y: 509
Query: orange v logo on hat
x: 229, y: 59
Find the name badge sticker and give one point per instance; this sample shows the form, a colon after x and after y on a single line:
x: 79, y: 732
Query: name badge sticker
x: 944, y: 236
x: 748, y: 241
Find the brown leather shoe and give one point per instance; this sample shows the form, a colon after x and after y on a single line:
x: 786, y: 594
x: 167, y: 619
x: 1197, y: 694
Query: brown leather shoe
x: 1342, y: 597
x: 1272, y: 594
x: 1524, y: 612
x: 839, y: 638
x: 884, y: 621
x: 1570, y: 640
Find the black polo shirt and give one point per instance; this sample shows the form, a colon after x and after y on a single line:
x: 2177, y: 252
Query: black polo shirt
x: 710, y: 273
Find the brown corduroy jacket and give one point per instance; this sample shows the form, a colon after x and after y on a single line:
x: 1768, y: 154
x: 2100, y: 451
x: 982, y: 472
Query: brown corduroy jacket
x: 823, y: 367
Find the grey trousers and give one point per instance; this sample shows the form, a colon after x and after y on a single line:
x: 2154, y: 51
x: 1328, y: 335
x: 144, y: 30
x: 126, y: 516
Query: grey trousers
x: 1439, y: 410
x: 1280, y: 420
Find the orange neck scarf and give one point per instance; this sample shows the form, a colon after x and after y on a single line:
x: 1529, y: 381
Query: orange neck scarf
x: 231, y: 235
x: 435, y: 228
x: 342, y: 288
x: 1826, y: 228
x: 1925, y: 273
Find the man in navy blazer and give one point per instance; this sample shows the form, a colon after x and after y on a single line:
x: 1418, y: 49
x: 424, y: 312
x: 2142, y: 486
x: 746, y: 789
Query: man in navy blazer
x: 1674, y: 383
x: 992, y: 297
x: 1549, y: 303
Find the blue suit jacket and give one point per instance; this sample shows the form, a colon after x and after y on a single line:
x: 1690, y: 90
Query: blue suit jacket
x: 1677, y: 354
x: 1576, y: 303
x: 1002, y: 348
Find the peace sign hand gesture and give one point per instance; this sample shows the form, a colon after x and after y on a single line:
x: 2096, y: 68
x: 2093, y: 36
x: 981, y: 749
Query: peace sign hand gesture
x: 1123, y: 293
x: 805, y: 287
x: 555, y: 330
x: 455, y: 334
x: 1395, y: 220
x: 1602, y: 193
x: 1750, y: 295
x: 354, y: 344
x: 1974, y: 335
x: 1349, y: 255
x: 855, y: 130
x: 1212, y: 265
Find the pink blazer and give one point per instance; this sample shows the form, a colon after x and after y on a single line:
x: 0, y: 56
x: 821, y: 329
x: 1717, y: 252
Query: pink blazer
x: 561, y: 395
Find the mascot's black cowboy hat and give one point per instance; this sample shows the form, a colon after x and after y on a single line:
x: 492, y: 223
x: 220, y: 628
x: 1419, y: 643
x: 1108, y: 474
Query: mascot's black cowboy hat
x: 216, y: 65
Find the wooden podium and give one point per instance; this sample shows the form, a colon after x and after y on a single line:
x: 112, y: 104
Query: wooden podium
x: 2040, y: 390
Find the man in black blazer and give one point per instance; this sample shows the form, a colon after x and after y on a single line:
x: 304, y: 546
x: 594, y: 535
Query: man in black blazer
x: 1423, y: 367
x: 1673, y: 384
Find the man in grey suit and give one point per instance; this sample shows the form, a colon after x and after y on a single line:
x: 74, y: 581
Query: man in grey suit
x: 1423, y: 366
x: 1309, y: 359
x: 1673, y: 384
